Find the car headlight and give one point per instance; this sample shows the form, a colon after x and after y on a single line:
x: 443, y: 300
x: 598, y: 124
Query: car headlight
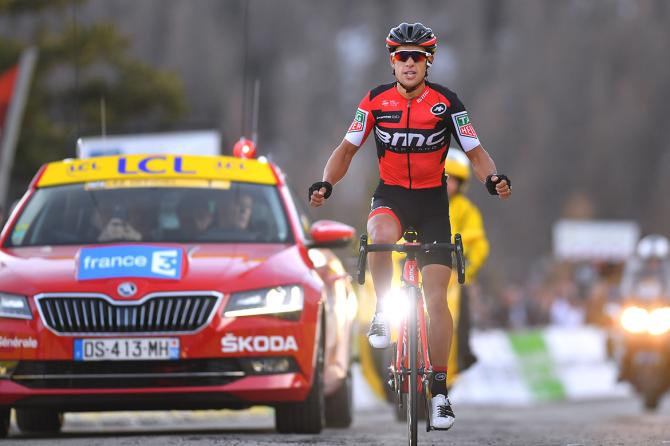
x: 14, y: 306
x: 278, y: 300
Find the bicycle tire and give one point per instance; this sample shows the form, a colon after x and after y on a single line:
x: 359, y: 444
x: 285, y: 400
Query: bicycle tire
x: 412, y: 390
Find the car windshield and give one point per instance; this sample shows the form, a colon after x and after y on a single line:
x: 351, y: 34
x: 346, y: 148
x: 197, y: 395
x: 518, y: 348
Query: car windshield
x: 104, y: 212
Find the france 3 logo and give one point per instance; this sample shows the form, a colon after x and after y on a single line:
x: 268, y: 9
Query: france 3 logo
x: 129, y: 261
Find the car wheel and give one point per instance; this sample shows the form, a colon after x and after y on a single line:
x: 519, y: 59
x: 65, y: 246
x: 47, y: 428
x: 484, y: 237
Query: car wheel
x: 45, y: 421
x: 309, y: 416
x: 339, y: 406
x: 4, y: 421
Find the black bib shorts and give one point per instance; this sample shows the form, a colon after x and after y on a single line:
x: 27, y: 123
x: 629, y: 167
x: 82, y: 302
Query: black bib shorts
x: 425, y: 210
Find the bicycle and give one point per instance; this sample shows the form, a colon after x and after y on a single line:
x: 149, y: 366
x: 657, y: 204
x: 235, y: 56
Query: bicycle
x: 411, y: 360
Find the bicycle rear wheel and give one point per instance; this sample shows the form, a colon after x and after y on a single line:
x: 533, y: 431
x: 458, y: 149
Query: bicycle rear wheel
x: 412, y: 390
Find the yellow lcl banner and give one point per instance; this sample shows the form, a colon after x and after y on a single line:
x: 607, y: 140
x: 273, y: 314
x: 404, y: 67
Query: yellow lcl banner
x: 125, y: 167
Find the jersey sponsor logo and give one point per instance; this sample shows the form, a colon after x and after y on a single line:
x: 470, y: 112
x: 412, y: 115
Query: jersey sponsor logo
x: 402, y: 141
x: 463, y: 125
x: 238, y: 344
x: 438, y: 109
x: 423, y: 96
x: 359, y: 121
x: 390, y: 103
x: 387, y: 116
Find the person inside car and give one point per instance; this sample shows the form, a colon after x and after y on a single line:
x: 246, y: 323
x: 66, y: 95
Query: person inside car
x: 114, y: 225
x: 235, y: 213
x: 195, y: 217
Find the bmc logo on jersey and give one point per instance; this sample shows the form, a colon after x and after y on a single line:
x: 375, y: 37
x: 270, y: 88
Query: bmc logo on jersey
x: 401, y: 141
x: 359, y: 121
x: 462, y: 123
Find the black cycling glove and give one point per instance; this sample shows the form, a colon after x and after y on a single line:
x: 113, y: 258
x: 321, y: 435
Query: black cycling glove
x: 317, y: 186
x: 491, y: 185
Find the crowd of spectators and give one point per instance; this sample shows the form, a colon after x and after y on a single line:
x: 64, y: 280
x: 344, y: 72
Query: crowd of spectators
x: 558, y: 293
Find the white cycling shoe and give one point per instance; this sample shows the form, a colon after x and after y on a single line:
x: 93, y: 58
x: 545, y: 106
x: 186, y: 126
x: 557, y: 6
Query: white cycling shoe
x: 379, y: 334
x: 441, y: 415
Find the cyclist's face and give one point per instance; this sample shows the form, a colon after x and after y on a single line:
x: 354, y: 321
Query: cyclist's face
x: 410, y: 72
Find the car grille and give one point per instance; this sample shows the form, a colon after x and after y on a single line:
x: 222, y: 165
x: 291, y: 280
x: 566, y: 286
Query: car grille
x: 95, y: 314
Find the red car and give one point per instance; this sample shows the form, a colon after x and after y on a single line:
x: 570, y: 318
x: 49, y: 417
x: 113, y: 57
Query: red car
x: 158, y: 282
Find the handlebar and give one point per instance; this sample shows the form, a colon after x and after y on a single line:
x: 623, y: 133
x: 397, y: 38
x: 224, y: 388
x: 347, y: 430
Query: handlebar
x: 410, y: 248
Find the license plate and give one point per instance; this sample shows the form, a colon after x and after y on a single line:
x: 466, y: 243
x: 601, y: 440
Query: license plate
x: 121, y: 349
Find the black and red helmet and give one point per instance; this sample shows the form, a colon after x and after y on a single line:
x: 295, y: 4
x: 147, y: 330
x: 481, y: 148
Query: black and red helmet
x: 411, y: 34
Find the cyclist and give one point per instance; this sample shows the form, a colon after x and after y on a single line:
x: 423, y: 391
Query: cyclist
x: 467, y: 221
x: 413, y: 121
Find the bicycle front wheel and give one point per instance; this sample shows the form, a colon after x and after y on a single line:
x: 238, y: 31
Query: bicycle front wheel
x: 412, y: 390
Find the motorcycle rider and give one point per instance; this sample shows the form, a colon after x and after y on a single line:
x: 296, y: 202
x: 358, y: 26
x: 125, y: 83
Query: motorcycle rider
x: 650, y: 268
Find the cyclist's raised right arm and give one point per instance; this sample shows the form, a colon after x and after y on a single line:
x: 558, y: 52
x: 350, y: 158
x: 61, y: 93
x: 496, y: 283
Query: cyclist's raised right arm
x: 339, y: 162
x: 335, y: 169
x: 340, y: 159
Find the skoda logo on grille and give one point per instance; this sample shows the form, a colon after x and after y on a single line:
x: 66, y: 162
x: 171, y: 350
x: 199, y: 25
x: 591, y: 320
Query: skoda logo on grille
x: 127, y: 289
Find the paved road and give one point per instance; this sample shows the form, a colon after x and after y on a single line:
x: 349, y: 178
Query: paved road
x: 611, y: 422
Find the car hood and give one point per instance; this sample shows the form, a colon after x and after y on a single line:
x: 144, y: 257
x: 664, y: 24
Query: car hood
x: 217, y: 267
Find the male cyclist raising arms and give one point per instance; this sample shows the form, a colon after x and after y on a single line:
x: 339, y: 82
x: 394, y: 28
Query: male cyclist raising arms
x: 413, y: 121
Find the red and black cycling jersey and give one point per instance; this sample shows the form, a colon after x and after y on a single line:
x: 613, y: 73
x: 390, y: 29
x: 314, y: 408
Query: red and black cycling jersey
x: 412, y: 135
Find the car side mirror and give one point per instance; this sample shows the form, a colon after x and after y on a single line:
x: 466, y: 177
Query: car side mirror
x: 331, y: 234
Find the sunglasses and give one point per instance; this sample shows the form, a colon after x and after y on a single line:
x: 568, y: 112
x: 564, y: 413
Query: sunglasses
x: 403, y: 55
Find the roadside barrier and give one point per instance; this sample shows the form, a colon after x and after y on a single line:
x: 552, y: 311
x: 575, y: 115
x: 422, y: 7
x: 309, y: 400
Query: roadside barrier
x: 540, y: 365
x: 526, y: 367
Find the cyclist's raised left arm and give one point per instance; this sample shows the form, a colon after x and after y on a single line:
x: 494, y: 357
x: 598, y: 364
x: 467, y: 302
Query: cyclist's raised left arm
x: 482, y: 163
x: 466, y: 136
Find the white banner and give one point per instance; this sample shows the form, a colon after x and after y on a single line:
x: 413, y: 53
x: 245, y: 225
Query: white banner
x: 594, y: 239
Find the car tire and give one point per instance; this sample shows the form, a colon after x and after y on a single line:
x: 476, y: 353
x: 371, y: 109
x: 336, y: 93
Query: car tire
x: 309, y: 416
x: 4, y: 421
x: 339, y: 406
x: 45, y: 421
